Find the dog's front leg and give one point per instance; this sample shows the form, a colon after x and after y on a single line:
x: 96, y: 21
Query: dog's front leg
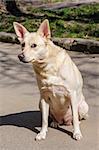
x: 74, y: 103
x: 45, y: 113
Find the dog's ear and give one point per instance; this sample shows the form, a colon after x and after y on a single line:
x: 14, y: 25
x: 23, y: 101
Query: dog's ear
x: 20, y: 30
x: 44, y: 29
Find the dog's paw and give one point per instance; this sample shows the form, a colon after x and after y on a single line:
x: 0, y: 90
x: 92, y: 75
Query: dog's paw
x: 77, y: 135
x: 84, y: 116
x: 41, y: 136
x: 54, y: 124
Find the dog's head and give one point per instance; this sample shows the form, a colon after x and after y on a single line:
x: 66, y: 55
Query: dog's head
x: 33, y: 44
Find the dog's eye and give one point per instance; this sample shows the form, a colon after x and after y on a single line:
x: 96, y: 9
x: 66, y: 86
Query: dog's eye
x: 33, y: 45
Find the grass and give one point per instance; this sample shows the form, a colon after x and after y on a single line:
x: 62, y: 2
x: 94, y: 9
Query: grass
x: 79, y: 22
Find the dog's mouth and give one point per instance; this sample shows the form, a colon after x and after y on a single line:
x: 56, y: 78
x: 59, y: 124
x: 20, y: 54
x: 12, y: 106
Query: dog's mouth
x: 24, y: 60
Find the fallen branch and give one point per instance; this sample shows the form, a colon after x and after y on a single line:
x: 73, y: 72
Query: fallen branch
x: 71, y: 44
x: 77, y: 44
x: 61, y: 5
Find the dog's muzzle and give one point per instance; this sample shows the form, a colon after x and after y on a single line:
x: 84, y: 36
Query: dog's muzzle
x: 22, y: 58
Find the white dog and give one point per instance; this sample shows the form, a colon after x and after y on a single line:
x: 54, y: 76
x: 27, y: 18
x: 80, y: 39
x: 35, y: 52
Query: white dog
x: 59, y: 81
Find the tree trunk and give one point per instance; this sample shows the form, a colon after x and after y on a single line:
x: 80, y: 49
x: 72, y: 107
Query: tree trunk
x: 11, y: 7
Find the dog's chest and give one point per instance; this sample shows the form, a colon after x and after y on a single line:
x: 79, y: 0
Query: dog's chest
x: 58, y: 99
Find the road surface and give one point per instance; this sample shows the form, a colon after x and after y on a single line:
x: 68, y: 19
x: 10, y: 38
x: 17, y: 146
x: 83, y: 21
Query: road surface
x: 20, y: 119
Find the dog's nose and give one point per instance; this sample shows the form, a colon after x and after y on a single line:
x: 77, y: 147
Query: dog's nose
x: 21, y: 56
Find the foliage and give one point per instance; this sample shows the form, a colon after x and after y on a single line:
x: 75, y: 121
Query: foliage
x: 82, y: 22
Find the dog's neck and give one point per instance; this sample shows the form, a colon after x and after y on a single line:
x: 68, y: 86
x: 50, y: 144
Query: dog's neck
x: 44, y: 67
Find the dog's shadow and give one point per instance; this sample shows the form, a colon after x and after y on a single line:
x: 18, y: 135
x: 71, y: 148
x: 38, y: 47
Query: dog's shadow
x: 28, y: 119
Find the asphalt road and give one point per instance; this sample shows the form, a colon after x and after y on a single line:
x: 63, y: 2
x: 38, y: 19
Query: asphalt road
x: 20, y: 119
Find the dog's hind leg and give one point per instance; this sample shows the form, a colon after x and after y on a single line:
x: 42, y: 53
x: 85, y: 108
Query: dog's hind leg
x: 45, y: 112
x: 83, y: 108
